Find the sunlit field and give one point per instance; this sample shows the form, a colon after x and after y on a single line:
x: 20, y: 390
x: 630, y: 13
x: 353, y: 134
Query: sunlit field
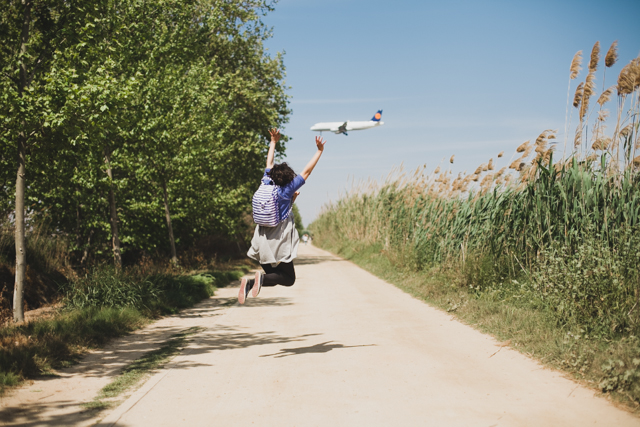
x: 552, y: 227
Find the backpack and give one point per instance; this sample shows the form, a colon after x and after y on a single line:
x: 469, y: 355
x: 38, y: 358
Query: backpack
x: 265, y: 205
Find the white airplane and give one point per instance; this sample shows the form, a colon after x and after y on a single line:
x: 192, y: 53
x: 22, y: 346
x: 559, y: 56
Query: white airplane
x: 344, y: 127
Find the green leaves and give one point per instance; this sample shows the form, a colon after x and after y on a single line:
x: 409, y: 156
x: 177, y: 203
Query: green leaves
x: 175, y: 104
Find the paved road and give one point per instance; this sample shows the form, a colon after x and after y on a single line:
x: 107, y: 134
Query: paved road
x: 343, y: 348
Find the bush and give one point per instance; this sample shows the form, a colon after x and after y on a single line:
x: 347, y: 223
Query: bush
x: 595, y: 285
x: 161, y: 293
x: 106, y: 287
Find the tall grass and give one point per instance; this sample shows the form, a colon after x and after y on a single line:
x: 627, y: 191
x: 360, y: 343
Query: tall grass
x: 575, y: 213
x: 557, y: 230
x: 104, y: 286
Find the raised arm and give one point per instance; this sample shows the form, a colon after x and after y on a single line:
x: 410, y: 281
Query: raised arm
x: 314, y: 160
x: 275, y: 137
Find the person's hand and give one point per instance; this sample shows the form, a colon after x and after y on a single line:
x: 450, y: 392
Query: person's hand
x: 295, y: 196
x: 275, y: 135
x: 320, y: 143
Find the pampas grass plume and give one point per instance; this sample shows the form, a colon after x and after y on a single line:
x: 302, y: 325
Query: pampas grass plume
x: 522, y: 147
x: 577, y: 99
x: 595, y: 57
x: 626, y: 130
x: 627, y: 78
x: 612, y: 54
x: 606, y: 96
x: 575, y: 65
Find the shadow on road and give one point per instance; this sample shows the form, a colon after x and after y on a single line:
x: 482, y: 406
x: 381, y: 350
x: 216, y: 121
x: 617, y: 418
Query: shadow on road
x: 120, y: 353
x: 229, y: 338
x: 32, y: 416
x: 324, y: 347
x: 307, y: 260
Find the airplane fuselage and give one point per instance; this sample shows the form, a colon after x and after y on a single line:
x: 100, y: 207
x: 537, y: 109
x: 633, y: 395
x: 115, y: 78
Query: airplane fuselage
x: 342, y: 127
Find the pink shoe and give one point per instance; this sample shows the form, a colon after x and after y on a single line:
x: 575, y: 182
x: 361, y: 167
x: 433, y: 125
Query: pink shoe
x: 242, y: 293
x: 257, y: 284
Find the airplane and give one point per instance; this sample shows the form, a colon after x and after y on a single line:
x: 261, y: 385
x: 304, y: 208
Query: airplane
x: 343, y: 127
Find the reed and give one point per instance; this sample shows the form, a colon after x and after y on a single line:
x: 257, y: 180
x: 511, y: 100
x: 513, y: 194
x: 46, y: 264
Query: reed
x: 612, y: 55
x: 576, y: 64
x: 595, y: 57
x: 521, y: 218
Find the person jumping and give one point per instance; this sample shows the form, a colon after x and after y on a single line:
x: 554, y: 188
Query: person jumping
x: 275, y: 240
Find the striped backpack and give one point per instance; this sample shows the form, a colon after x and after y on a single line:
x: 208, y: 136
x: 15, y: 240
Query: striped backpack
x: 265, y: 205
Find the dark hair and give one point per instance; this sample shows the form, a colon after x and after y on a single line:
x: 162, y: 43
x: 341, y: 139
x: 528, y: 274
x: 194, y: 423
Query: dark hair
x: 281, y: 174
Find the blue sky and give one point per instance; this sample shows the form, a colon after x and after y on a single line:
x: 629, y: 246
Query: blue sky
x: 470, y: 78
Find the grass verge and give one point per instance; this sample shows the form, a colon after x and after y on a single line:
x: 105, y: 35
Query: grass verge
x: 108, y: 309
x: 609, y: 365
x: 140, y: 369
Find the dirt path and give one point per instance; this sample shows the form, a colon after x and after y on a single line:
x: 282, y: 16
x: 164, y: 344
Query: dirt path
x: 339, y: 348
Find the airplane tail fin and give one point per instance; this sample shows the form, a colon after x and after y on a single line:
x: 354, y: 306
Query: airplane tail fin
x: 377, y: 116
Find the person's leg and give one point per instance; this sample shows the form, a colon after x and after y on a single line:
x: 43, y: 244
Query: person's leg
x: 283, y: 274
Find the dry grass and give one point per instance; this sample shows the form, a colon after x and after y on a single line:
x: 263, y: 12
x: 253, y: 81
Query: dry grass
x: 576, y: 64
x: 595, y: 57
x: 612, y: 55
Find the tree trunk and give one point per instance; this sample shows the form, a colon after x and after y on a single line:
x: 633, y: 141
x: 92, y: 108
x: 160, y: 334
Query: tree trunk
x: 174, y: 258
x: 21, y: 252
x: 115, y: 240
x: 85, y: 254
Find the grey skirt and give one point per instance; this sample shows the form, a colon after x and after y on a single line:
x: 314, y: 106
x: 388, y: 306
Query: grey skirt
x: 273, y: 245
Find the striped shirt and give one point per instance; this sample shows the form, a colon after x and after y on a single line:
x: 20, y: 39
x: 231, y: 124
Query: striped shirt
x: 285, y: 194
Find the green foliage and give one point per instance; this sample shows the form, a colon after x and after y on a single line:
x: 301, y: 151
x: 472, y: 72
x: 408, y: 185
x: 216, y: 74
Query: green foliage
x: 297, y: 219
x: 181, y: 111
x: 8, y: 379
x: 595, y: 286
x: 104, y: 286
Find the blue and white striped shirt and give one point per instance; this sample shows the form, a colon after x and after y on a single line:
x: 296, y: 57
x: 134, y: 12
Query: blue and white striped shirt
x: 285, y: 194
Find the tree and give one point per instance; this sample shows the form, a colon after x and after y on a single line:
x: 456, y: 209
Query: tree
x: 143, y: 123
x: 31, y: 32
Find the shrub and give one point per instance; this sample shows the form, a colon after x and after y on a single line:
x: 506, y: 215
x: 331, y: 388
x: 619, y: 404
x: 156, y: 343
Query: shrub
x: 593, y: 285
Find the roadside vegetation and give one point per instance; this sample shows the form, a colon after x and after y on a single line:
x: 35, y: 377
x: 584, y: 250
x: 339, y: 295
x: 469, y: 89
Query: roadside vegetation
x: 130, y: 130
x: 543, y: 252
x: 133, y: 135
x: 100, y: 305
